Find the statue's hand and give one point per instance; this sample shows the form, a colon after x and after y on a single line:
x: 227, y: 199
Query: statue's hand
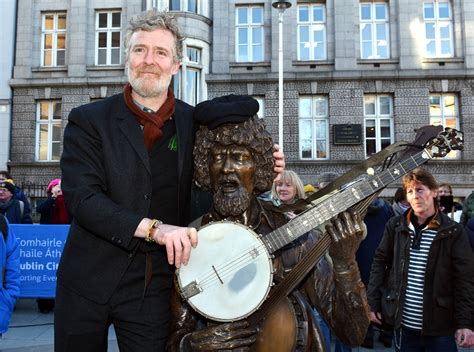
x: 223, y: 337
x: 347, y: 231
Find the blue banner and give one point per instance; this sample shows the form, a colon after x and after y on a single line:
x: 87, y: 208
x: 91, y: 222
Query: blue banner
x: 41, y: 247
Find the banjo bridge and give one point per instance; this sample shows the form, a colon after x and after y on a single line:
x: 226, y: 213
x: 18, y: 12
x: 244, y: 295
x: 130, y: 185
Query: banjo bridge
x: 190, y: 290
x: 254, y: 253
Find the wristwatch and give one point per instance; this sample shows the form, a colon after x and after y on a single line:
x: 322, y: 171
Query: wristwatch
x: 154, y: 225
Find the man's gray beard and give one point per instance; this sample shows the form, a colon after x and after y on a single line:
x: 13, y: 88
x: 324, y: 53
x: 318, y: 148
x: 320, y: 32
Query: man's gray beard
x: 231, y: 205
x: 143, y: 88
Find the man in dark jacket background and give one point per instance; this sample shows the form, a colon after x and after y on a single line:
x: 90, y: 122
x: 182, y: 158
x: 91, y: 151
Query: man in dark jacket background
x: 377, y: 216
x: 422, y: 277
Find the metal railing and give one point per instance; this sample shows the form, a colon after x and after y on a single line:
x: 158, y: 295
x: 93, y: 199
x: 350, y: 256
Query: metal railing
x: 35, y: 193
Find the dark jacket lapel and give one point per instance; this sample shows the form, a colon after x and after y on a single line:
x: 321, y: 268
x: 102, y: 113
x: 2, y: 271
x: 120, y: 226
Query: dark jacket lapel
x: 128, y: 124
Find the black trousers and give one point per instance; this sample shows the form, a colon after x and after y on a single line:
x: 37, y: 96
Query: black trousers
x: 140, y: 321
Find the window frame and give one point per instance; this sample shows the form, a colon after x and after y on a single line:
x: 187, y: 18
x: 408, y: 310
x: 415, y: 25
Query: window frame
x: 373, y: 33
x: 184, y: 6
x: 51, y: 122
x: 378, y: 117
x: 438, y: 24
x: 310, y: 24
x: 109, y: 30
x: 54, y: 32
x: 314, y: 120
x: 249, y: 26
x: 454, y: 154
x: 181, y: 78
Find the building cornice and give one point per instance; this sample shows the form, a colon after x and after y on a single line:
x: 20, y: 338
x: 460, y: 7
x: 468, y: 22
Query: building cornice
x: 67, y: 82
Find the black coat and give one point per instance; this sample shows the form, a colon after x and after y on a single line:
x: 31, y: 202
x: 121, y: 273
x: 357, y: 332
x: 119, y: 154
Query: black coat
x: 106, y: 181
x: 448, y: 299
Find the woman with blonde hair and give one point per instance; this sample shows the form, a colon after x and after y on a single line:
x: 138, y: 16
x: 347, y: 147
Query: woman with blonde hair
x: 289, y: 188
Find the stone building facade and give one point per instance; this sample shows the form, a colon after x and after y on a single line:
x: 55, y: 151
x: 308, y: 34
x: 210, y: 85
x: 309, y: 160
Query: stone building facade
x: 7, y: 28
x: 382, y: 69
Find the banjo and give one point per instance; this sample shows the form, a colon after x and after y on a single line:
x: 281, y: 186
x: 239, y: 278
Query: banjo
x: 230, y: 272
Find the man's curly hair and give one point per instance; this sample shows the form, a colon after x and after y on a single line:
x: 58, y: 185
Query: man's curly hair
x: 250, y: 134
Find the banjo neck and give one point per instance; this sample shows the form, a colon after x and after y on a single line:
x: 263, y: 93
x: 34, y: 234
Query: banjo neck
x: 339, y: 202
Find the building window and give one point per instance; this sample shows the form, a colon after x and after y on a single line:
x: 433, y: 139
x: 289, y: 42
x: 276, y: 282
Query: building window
x: 444, y: 112
x: 438, y: 29
x: 374, y: 30
x: 249, y: 33
x: 261, y: 109
x: 48, y: 130
x: 312, y: 32
x: 184, y: 5
x: 378, y: 119
x: 189, y: 76
x: 313, y: 128
x: 53, y: 39
x: 108, y: 38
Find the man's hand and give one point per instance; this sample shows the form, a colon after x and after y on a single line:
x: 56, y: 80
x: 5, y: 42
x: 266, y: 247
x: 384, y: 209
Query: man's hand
x: 376, y: 318
x: 346, y: 231
x: 223, y: 337
x: 464, y: 337
x: 178, y: 242
x: 279, y: 164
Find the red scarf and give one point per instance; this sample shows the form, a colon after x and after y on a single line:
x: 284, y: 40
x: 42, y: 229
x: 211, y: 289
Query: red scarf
x: 152, y: 122
x: 60, y: 214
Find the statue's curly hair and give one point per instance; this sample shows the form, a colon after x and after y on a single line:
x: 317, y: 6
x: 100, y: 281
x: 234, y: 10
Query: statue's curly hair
x: 250, y: 134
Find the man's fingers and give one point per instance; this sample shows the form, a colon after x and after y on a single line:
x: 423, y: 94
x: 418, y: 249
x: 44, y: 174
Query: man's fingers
x: 178, y: 242
x: 193, y: 236
x: 170, y: 252
x: 375, y: 317
x: 186, y: 248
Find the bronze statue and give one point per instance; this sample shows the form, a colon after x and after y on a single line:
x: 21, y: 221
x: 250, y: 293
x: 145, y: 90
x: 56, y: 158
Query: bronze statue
x: 234, y: 162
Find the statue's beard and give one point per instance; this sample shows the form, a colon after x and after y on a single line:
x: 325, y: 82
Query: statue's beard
x: 234, y: 204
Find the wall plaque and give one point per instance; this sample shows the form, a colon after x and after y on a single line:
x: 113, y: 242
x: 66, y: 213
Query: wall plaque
x: 347, y: 134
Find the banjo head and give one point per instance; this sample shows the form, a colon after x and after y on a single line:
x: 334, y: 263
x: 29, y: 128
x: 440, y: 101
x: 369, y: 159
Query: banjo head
x: 229, y: 273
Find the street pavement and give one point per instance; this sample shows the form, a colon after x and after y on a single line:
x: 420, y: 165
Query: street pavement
x: 32, y: 331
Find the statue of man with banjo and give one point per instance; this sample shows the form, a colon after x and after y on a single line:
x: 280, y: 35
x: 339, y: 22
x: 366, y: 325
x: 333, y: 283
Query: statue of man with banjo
x: 226, y: 298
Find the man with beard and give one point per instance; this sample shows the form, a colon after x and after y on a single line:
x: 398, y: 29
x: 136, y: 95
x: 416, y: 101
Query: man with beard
x: 126, y: 178
x: 234, y: 162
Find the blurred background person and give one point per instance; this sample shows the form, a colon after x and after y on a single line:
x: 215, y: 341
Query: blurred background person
x: 309, y: 189
x: 470, y: 231
x: 53, y: 212
x: 400, y: 204
x: 468, y: 209
x: 17, y: 191
x: 10, y: 271
x: 447, y: 204
x: 323, y: 180
x: 377, y: 216
x: 13, y: 209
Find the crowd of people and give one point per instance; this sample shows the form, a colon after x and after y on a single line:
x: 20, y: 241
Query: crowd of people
x: 405, y: 269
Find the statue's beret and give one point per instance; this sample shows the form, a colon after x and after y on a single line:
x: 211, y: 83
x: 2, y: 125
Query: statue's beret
x: 226, y: 109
